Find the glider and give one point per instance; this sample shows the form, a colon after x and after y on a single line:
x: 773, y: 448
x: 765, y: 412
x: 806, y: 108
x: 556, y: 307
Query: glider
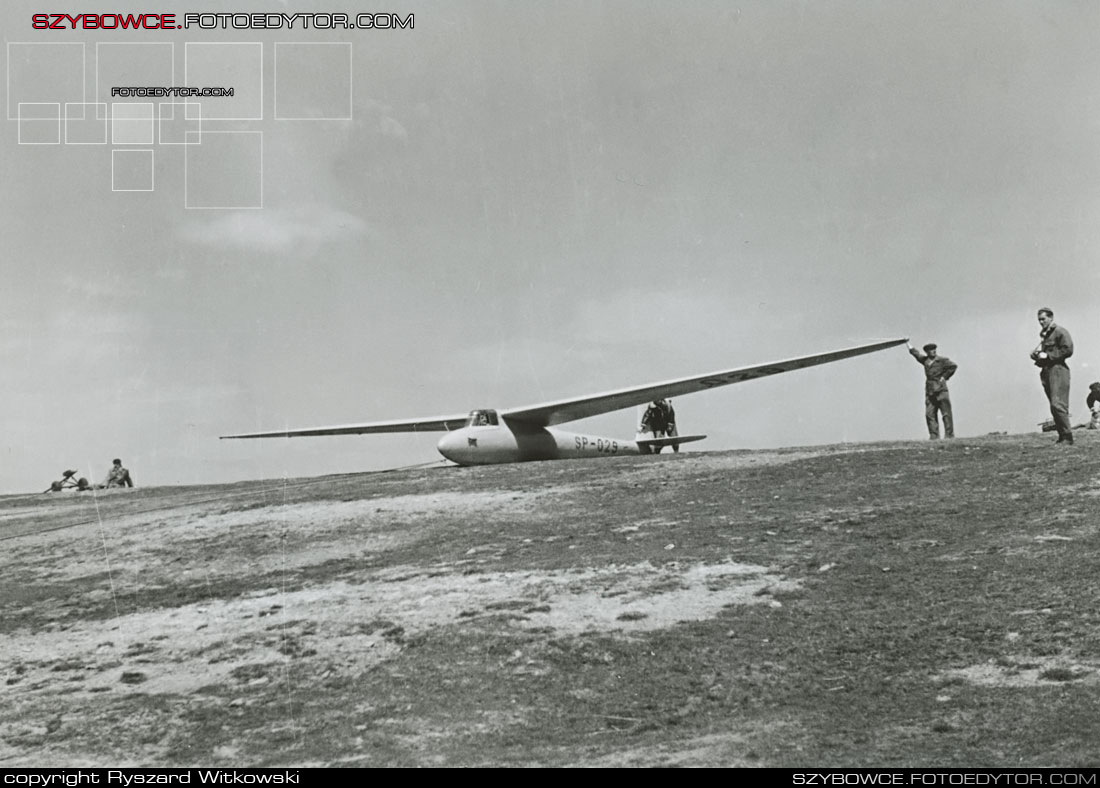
x: 487, y: 436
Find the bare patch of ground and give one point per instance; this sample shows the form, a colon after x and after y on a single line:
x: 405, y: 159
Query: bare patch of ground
x: 197, y: 645
x: 1028, y: 672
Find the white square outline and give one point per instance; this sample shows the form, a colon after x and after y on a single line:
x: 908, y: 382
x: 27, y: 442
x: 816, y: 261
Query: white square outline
x: 97, y: 104
x: 160, y: 120
x: 84, y: 119
x: 7, y: 76
x: 171, y: 60
x: 351, y: 77
x: 224, y: 207
x: 260, y: 44
x: 20, y: 119
x: 115, y: 119
x: 152, y: 171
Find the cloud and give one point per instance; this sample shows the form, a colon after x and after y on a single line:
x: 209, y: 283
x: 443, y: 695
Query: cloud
x: 277, y: 230
x: 97, y: 288
x: 388, y: 127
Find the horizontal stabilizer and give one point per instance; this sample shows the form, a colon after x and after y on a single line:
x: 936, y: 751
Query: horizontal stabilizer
x: 675, y: 440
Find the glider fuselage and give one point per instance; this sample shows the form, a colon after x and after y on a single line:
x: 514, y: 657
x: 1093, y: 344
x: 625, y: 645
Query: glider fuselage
x: 512, y: 441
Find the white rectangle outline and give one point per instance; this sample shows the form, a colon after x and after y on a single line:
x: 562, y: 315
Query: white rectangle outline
x: 152, y: 118
x: 169, y: 44
x: 19, y: 133
x: 224, y: 207
x: 96, y: 104
x: 152, y: 169
x: 260, y: 44
x: 160, y: 120
x: 351, y: 78
x: 83, y: 72
x: 85, y: 104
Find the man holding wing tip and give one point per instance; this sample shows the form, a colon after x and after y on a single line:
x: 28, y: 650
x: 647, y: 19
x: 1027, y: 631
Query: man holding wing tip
x: 937, y: 401
x: 1055, y: 346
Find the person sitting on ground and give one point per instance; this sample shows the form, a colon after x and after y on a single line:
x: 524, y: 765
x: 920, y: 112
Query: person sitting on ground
x: 1093, y: 401
x: 118, y: 476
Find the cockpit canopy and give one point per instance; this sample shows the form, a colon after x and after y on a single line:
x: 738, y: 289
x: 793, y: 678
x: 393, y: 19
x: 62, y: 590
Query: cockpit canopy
x: 482, y: 418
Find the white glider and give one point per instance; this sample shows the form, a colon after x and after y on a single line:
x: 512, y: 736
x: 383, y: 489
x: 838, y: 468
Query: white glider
x: 488, y: 436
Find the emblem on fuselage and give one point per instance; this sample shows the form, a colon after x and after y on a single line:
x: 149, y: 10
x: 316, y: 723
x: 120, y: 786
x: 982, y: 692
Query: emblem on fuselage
x: 471, y: 442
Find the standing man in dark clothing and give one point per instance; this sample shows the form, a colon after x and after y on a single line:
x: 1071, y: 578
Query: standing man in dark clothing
x: 937, y: 371
x: 670, y: 420
x: 1055, y: 346
x: 660, y: 419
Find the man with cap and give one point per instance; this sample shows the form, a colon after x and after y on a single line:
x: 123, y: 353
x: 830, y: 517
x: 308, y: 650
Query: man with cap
x: 1055, y: 346
x: 937, y: 371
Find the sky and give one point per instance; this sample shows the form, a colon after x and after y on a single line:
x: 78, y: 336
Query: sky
x: 517, y: 202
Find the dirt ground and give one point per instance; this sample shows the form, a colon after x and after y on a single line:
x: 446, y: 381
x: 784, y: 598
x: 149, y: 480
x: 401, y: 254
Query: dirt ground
x: 905, y: 604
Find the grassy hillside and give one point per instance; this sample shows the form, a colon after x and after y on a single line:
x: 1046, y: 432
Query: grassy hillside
x: 905, y: 604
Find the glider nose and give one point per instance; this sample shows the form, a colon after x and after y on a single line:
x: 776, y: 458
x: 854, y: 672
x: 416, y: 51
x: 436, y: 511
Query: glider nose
x: 452, y: 446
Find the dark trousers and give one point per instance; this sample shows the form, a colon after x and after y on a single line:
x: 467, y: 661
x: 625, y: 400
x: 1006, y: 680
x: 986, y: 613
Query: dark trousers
x: 935, y: 404
x: 1056, y: 386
